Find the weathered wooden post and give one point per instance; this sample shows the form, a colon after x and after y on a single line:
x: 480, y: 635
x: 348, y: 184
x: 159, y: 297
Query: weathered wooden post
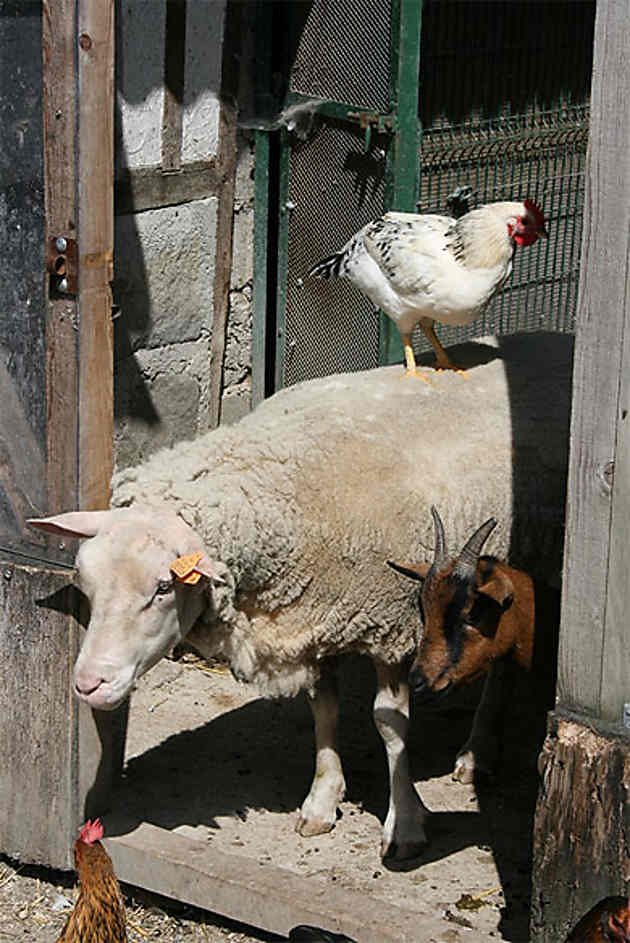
x: 581, y: 851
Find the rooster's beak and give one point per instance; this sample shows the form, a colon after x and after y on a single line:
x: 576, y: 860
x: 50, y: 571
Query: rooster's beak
x: 543, y: 232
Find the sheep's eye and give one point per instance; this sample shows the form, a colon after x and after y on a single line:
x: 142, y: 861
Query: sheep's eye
x: 164, y: 587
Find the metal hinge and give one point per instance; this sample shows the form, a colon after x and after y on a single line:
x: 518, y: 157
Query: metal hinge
x: 62, y: 264
x: 369, y: 120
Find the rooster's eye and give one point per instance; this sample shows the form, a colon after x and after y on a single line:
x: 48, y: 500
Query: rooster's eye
x: 164, y: 587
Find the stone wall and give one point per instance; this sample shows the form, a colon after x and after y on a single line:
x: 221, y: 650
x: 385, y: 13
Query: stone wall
x: 165, y: 250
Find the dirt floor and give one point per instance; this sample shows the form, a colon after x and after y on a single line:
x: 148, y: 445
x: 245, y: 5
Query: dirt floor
x: 209, y: 759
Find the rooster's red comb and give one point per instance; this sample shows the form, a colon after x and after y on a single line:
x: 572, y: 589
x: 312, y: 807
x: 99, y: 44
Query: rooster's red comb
x: 535, y: 211
x: 91, y: 832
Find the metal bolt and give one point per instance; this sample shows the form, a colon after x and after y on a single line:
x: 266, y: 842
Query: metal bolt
x: 85, y: 41
x: 8, y: 574
x: 626, y: 714
x: 63, y: 285
x: 61, y: 244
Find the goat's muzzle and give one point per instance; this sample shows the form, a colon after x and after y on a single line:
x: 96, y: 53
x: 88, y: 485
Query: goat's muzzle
x: 422, y: 691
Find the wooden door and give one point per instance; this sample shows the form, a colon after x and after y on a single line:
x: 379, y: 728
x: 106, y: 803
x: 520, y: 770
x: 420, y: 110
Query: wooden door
x: 56, y: 224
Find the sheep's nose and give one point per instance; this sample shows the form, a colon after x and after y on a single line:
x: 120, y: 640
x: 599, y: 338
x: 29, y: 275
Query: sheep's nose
x: 86, y: 683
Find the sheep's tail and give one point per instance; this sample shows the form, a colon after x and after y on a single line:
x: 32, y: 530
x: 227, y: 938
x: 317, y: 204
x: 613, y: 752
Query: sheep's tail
x: 330, y: 267
x: 306, y: 934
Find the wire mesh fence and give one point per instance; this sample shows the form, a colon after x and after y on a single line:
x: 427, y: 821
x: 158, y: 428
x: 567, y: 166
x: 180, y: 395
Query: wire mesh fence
x: 504, y: 91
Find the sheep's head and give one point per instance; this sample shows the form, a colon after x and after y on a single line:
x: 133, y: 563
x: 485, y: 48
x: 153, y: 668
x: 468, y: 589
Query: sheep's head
x: 461, y: 604
x: 148, y: 580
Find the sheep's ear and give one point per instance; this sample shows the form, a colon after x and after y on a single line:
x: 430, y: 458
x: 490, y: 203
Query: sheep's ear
x: 415, y: 571
x: 73, y: 523
x: 500, y: 588
x: 209, y: 569
x: 191, y: 567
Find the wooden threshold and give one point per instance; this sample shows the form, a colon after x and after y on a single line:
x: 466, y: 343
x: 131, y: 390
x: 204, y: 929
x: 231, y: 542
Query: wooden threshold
x: 261, y: 895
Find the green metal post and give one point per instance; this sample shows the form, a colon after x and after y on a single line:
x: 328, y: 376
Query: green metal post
x: 283, y: 259
x: 261, y: 269
x: 402, y: 194
x: 260, y: 286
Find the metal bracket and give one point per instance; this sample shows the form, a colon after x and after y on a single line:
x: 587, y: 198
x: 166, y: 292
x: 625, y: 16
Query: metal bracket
x: 368, y: 120
x: 62, y: 264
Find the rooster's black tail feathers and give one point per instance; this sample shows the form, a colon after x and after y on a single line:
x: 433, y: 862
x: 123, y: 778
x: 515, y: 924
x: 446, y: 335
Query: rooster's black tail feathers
x: 329, y: 267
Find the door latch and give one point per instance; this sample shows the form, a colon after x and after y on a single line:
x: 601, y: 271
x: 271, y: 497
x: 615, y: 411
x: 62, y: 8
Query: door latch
x: 62, y: 265
x: 368, y: 120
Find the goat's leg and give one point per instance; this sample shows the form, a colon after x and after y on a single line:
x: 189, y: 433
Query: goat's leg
x: 480, y: 752
x: 403, y: 832
x: 319, y: 810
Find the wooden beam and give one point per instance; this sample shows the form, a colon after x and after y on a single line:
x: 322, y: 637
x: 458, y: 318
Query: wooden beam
x: 174, y: 68
x: 262, y: 895
x: 225, y: 214
x: 581, y: 825
x: 96, y: 248
x: 593, y: 647
x: 149, y: 188
x: 60, y: 184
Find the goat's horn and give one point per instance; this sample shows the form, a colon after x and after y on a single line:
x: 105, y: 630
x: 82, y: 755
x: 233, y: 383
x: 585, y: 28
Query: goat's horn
x: 467, y: 560
x: 440, y: 542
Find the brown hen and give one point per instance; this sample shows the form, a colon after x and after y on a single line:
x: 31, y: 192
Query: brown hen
x: 99, y: 913
x: 606, y: 922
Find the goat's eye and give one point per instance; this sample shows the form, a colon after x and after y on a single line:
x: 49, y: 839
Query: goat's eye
x: 164, y: 587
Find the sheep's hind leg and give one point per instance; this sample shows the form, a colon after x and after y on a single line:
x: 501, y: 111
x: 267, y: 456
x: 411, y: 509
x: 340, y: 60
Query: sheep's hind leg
x: 319, y: 810
x: 403, y: 833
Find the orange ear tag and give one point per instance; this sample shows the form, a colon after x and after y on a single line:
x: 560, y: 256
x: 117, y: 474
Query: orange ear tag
x: 184, y: 568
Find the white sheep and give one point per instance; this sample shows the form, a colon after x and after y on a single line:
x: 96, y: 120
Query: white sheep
x: 296, y: 509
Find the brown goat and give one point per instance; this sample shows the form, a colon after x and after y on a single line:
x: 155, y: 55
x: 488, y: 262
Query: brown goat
x: 478, y: 613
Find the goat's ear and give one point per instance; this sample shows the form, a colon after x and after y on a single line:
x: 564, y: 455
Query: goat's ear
x: 500, y: 588
x: 415, y: 571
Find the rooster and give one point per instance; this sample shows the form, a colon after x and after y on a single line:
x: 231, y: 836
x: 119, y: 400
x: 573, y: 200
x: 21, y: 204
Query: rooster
x: 99, y: 913
x: 606, y: 922
x: 423, y: 268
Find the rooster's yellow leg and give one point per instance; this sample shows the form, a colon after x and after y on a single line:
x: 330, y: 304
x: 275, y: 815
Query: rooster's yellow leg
x: 443, y: 359
x: 410, y: 360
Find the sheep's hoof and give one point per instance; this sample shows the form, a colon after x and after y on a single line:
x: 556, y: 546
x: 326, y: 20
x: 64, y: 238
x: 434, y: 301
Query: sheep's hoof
x: 399, y: 854
x: 309, y: 827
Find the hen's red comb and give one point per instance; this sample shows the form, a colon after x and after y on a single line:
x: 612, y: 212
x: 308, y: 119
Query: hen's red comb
x: 535, y: 210
x: 91, y: 832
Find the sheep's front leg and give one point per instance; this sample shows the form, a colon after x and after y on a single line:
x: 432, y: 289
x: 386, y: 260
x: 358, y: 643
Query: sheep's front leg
x: 319, y: 810
x: 480, y: 752
x: 403, y: 832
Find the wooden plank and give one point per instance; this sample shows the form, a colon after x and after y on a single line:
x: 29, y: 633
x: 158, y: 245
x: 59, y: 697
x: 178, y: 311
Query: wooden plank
x: 581, y: 825
x: 264, y: 896
x: 601, y: 359
x: 37, y: 735
x: 174, y: 59
x: 228, y: 116
x: 96, y: 241
x: 58, y: 757
x: 59, y: 74
x: 148, y: 188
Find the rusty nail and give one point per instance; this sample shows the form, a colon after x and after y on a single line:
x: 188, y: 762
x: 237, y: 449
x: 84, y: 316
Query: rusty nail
x: 85, y: 41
